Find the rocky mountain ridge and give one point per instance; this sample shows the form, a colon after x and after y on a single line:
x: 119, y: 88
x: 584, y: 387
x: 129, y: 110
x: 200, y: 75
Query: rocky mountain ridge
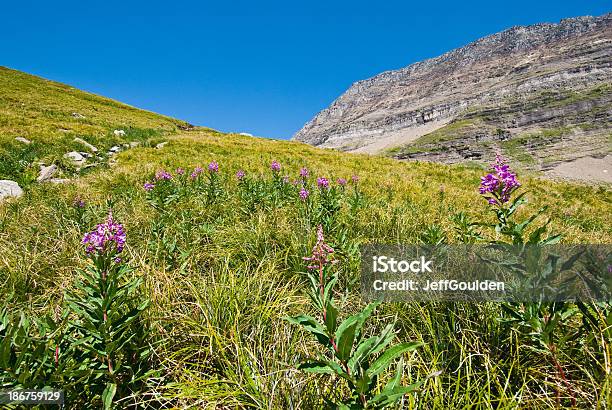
x: 506, y: 87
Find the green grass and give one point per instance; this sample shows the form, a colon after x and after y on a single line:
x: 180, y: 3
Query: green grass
x: 42, y: 111
x: 430, y: 142
x: 222, y: 279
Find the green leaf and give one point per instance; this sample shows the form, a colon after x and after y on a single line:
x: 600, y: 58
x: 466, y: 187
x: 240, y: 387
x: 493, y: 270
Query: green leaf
x: 389, y: 397
x: 516, y: 203
x: 569, y: 263
x: 385, y: 359
x: 345, y: 337
x: 311, y: 325
x: 385, y: 338
x: 108, y: 394
x: 365, y: 314
x: 371, y: 346
x: 331, y: 317
x: 551, y: 240
x: 318, y: 366
x: 395, y: 382
x: 356, y: 320
x: 362, y: 352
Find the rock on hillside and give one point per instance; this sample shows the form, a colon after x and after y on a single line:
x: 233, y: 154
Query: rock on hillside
x: 9, y: 189
x: 545, y: 88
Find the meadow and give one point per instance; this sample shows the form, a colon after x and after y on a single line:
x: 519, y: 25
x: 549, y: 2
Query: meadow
x: 210, y: 269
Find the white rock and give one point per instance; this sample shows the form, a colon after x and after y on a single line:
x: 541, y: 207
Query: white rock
x: 86, y: 144
x: 119, y: 133
x: 161, y: 145
x: 77, y: 115
x: 86, y: 154
x: 9, y: 189
x: 59, y: 181
x: 46, y: 172
x: 246, y: 134
x: 134, y: 144
x: 75, y: 157
x: 24, y: 140
x: 115, y: 149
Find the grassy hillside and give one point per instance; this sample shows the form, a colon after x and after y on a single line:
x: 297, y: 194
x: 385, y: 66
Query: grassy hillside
x: 51, y: 115
x: 222, y: 265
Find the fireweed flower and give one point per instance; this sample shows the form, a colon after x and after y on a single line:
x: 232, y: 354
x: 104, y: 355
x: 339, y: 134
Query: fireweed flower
x: 78, y: 203
x: 355, y: 179
x: 341, y: 181
x: 500, y: 183
x: 304, y: 194
x: 304, y: 173
x: 323, y: 183
x: 148, y: 186
x: 286, y: 179
x: 180, y: 171
x: 197, y: 171
x: 162, y: 174
x: 107, y: 236
x: 213, y: 167
x: 275, y: 166
x: 320, y: 253
x: 240, y: 175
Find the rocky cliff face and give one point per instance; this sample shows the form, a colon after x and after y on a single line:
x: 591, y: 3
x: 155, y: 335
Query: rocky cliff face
x: 504, y: 91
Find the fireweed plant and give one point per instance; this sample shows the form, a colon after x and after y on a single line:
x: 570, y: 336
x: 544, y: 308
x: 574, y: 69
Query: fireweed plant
x: 108, y: 328
x: 318, y: 201
x: 213, y: 187
x: 537, y: 322
x: 97, y: 350
x: 348, y: 353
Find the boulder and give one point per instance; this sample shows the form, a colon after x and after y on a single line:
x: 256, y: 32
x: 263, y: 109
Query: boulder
x: 77, y: 115
x: 115, y: 149
x: 161, y: 145
x: 119, y: 133
x: 134, y: 144
x: 46, y: 172
x: 86, y: 144
x: 24, y: 140
x: 76, y: 158
x: 9, y: 189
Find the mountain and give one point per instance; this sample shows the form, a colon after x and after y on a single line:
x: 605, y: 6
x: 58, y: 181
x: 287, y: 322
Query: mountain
x: 540, y: 93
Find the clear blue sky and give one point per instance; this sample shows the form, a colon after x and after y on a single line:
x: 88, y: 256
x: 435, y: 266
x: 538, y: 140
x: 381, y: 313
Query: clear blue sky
x: 259, y: 67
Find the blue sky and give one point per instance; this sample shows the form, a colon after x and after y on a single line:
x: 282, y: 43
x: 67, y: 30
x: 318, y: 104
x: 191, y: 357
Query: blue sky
x: 259, y: 67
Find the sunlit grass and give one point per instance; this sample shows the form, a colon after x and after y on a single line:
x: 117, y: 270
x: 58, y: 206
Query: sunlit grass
x: 223, y: 279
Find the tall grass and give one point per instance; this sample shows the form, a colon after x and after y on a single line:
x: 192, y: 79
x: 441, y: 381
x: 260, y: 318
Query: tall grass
x: 221, y: 277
